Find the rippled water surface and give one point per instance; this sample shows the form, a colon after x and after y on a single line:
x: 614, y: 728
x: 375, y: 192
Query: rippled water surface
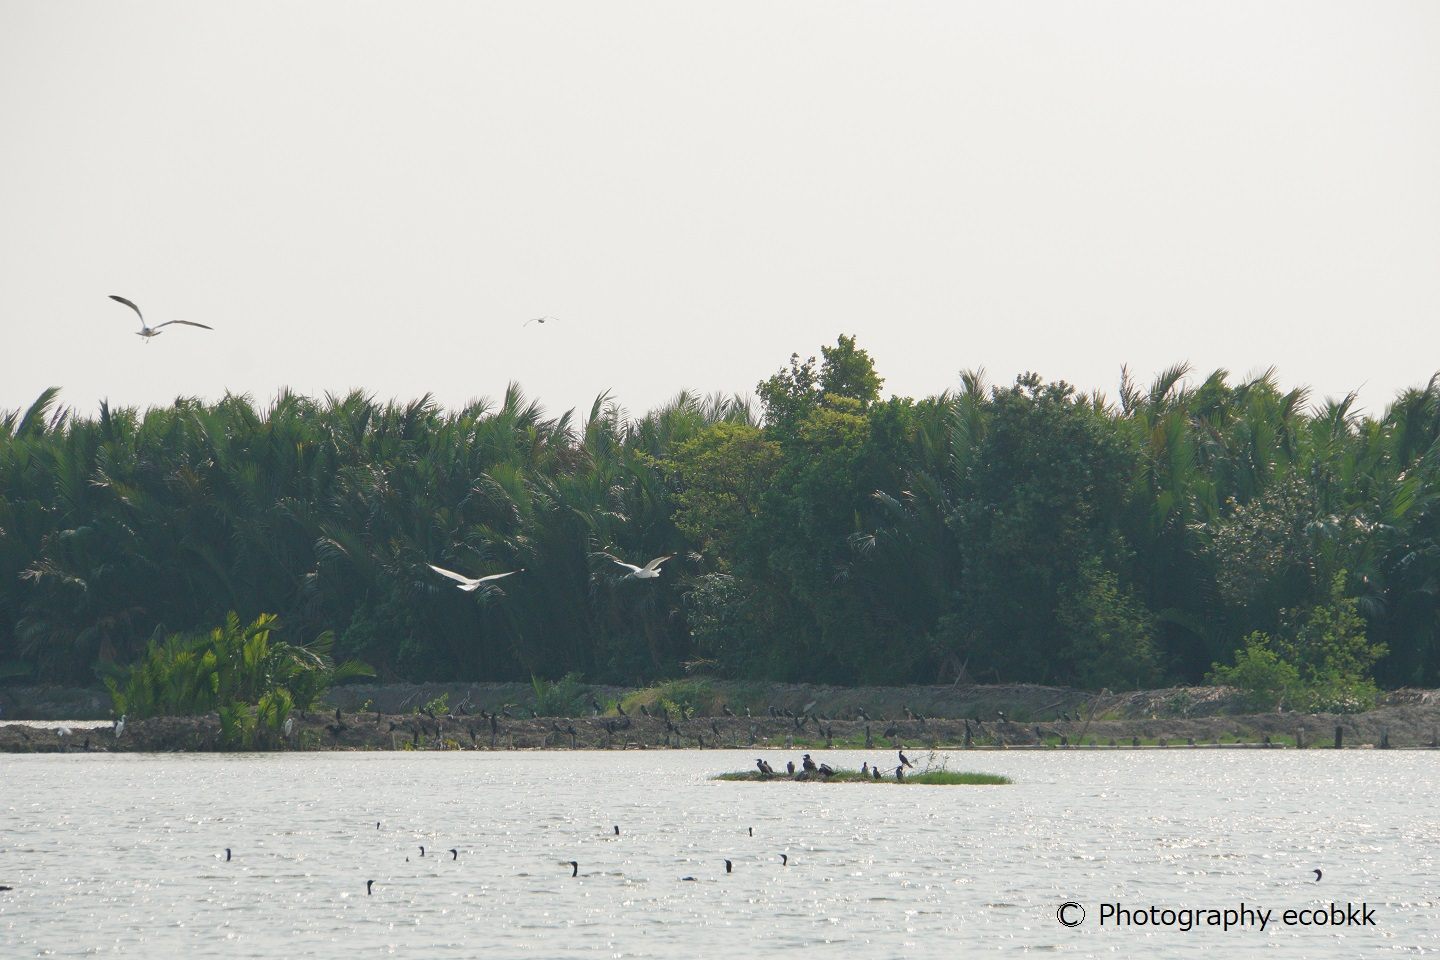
x: 124, y: 855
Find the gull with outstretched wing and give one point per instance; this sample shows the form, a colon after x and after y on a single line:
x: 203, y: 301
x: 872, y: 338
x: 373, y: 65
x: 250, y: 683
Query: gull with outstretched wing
x: 147, y: 331
x: 469, y: 584
x: 650, y: 571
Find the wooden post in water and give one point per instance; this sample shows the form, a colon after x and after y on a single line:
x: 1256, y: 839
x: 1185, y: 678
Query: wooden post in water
x: 1339, y: 737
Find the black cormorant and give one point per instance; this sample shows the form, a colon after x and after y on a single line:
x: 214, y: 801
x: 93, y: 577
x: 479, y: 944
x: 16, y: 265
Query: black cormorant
x: 904, y: 761
x: 368, y: 885
x: 727, y: 866
x: 574, y: 869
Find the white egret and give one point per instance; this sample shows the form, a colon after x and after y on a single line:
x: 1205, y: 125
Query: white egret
x: 146, y: 331
x: 289, y: 725
x: 120, y: 724
x: 469, y: 584
x: 650, y: 571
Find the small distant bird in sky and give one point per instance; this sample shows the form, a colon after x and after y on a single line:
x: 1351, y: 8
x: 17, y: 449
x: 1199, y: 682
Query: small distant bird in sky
x: 650, y: 571
x: 469, y: 584
x: 537, y: 320
x: 146, y: 331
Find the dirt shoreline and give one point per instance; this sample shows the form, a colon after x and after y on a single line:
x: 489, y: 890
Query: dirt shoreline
x: 1035, y: 718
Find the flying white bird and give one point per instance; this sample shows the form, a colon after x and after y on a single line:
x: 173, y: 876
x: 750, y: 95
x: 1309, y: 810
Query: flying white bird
x: 469, y: 584
x: 537, y: 320
x: 148, y: 332
x: 650, y: 571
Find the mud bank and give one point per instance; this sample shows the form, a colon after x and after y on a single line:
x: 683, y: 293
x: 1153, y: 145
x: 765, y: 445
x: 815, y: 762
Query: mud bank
x: 1405, y: 725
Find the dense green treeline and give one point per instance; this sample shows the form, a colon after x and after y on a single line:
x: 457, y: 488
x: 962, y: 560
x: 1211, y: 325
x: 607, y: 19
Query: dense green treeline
x: 1016, y: 533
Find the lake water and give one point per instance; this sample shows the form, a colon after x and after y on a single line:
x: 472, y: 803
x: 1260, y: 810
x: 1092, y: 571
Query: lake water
x: 123, y: 855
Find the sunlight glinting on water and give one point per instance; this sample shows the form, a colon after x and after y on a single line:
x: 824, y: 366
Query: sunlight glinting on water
x: 125, y: 855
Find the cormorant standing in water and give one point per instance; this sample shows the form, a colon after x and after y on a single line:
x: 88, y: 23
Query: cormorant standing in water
x: 617, y: 830
x: 454, y: 854
x: 227, y: 854
x: 574, y: 869
x: 422, y: 851
x: 904, y: 762
x: 368, y: 885
x: 727, y: 866
x: 784, y: 860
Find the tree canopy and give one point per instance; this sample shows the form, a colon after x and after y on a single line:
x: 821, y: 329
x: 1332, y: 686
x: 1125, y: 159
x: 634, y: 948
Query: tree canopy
x: 1024, y: 532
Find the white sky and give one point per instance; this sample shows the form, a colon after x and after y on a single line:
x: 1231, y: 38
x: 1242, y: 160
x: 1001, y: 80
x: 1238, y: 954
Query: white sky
x: 377, y: 195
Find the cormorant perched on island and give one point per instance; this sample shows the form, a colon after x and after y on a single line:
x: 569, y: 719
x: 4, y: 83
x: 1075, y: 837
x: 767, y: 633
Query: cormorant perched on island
x: 621, y: 710
x: 900, y: 773
x: 865, y: 769
x: 826, y: 770
x: 763, y: 767
x: 595, y: 707
x: 904, y: 761
x: 875, y: 771
x: 725, y: 709
x: 807, y: 763
x: 790, y: 767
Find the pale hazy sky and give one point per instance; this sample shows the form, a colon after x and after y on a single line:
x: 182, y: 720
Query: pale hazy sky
x: 377, y: 195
